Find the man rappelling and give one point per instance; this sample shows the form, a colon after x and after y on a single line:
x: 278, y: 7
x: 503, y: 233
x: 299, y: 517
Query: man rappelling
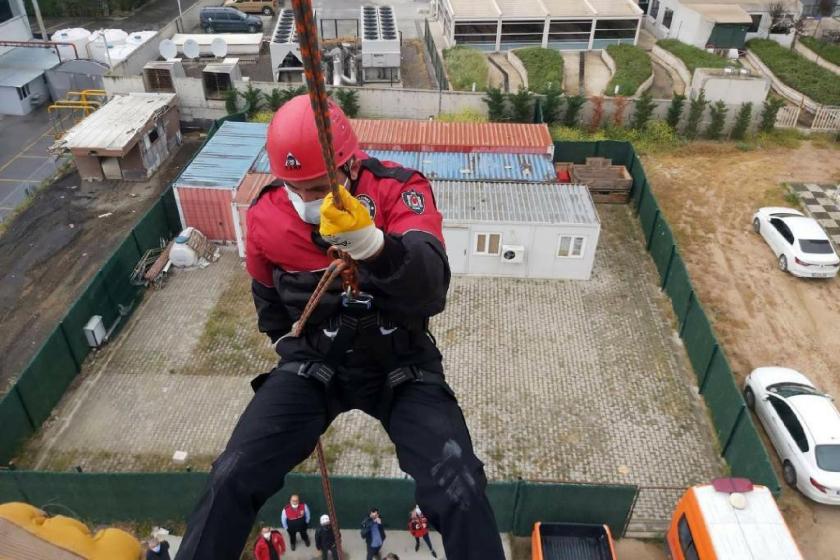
x: 368, y: 349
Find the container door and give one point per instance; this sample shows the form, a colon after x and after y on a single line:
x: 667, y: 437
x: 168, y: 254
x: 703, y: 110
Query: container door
x: 457, y: 243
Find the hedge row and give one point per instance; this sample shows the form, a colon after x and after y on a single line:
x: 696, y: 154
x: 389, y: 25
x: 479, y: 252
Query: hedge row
x: 692, y: 56
x: 632, y: 68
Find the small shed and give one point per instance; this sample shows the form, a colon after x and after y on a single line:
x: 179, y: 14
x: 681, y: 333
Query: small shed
x: 525, y: 230
x: 128, y: 138
x: 206, y: 189
x: 22, y: 84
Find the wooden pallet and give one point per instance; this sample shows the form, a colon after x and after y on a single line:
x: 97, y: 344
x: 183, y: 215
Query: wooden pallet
x: 607, y: 183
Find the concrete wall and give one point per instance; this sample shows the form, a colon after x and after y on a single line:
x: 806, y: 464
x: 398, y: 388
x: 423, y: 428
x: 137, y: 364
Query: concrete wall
x: 670, y: 61
x: 687, y: 25
x: 731, y: 89
x: 517, y: 64
x: 540, y: 242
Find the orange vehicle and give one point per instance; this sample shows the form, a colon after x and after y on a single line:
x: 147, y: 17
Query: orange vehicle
x: 571, y: 541
x: 729, y: 519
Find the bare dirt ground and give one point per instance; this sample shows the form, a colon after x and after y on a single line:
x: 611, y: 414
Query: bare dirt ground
x: 413, y: 68
x: 762, y: 316
x: 51, y: 250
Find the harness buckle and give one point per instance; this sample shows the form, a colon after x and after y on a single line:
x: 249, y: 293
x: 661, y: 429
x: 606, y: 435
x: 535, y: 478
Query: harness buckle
x: 404, y: 374
x: 316, y: 370
x: 359, y: 303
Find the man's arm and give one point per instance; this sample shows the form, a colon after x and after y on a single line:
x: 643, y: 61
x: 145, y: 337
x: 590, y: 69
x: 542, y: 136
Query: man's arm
x: 284, y: 520
x: 272, y: 317
x: 306, y: 511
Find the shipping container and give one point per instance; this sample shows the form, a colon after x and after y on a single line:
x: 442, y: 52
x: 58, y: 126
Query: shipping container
x: 248, y: 191
x: 208, y: 211
x: 474, y: 166
x: 434, y: 136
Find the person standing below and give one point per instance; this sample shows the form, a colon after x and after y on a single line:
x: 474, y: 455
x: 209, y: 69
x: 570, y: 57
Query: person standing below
x: 270, y: 544
x: 325, y: 539
x: 158, y: 550
x: 295, y: 519
x: 418, y: 526
x: 373, y: 533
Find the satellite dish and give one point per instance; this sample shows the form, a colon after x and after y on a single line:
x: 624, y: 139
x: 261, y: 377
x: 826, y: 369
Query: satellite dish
x: 168, y: 49
x: 191, y: 49
x: 218, y: 47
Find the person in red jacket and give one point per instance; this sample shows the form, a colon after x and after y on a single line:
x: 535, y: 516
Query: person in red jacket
x: 418, y: 526
x: 270, y: 544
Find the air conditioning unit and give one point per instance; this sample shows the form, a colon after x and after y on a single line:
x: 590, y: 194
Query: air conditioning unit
x: 284, y: 49
x: 380, y: 44
x: 95, y: 331
x: 513, y: 254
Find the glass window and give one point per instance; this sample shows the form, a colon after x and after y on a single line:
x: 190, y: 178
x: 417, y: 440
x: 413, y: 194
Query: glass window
x: 570, y: 246
x: 23, y: 92
x: 667, y: 18
x: 790, y: 421
x: 756, y: 23
x: 5, y: 10
x: 654, y: 8
x: 792, y: 389
x: 522, y: 31
x: 686, y: 540
x: 488, y: 243
x: 475, y: 32
x: 818, y: 246
x: 153, y: 135
x: 828, y: 457
x: 575, y: 31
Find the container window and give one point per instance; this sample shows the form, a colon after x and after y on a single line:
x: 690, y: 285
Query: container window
x: 23, y: 92
x: 570, y: 246
x: 488, y: 243
x: 687, y: 540
x: 756, y: 23
x: 667, y: 18
x: 654, y: 8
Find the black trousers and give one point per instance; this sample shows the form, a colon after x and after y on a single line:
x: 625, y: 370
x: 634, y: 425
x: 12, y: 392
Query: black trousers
x: 280, y: 428
x: 295, y: 529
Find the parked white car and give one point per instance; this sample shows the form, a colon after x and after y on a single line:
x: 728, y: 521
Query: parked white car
x: 804, y: 426
x: 800, y: 244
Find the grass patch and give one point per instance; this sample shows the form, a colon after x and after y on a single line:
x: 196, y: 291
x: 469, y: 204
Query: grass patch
x: 464, y: 115
x: 828, y: 51
x: 656, y: 137
x: 466, y: 67
x: 818, y: 83
x: 782, y: 137
x: 632, y: 68
x: 544, y: 67
x: 692, y: 56
x: 231, y: 343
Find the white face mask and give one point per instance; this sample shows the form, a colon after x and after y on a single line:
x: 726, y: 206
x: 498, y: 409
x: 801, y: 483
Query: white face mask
x: 266, y: 536
x: 156, y: 548
x: 309, y: 212
x: 417, y: 511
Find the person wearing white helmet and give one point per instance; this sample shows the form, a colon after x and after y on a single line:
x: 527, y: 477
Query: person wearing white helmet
x: 325, y: 539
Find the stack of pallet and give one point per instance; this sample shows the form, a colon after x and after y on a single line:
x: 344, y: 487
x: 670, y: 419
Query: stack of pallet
x: 607, y: 183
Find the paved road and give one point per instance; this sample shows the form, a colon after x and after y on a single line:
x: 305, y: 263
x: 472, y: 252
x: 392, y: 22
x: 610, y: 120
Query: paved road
x: 24, y: 161
x: 151, y: 16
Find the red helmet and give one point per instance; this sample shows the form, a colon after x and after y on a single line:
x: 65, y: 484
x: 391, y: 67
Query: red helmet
x: 294, y: 151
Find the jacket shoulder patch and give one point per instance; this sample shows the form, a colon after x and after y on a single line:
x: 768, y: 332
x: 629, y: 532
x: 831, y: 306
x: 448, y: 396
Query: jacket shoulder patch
x: 401, y: 174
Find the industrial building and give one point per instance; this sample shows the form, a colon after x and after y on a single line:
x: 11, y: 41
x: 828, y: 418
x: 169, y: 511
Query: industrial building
x: 495, y: 25
x: 128, y: 138
x: 524, y: 230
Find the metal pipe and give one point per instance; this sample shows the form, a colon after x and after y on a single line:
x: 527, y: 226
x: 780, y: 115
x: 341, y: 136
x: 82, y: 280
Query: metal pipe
x: 41, y: 44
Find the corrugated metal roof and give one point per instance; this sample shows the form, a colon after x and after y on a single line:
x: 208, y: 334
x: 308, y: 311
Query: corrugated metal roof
x: 226, y: 158
x: 115, y: 126
x: 722, y: 13
x: 476, y: 166
x: 519, y: 203
x: 251, y: 186
x: 21, y: 65
x: 616, y: 8
x: 261, y: 163
x: 538, y: 9
x: 464, y: 9
x: 569, y: 8
x: 434, y: 136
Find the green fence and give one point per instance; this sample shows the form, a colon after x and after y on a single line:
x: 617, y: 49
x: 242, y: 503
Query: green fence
x: 740, y: 444
x: 113, y: 497
x: 437, y: 61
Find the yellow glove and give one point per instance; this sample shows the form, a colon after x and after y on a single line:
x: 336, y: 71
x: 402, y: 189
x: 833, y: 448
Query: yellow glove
x: 351, y: 229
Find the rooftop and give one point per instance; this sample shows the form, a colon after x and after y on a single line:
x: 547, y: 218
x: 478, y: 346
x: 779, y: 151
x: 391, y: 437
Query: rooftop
x: 722, y: 13
x: 117, y: 125
x: 517, y: 203
x: 223, y: 162
x: 474, y: 166
x: 539, y: 9
x: 21, y: 65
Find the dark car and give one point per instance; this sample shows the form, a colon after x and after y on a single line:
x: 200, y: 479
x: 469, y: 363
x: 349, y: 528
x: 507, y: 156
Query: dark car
x: 229, y: 20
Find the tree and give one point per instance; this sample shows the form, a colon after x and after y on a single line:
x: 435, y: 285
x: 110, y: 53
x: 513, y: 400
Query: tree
x: 695, y: 114
x: 675, y: 111
x: 253, y: 99
x: 769, y: 112
x: 618, y: 112
x: 643, y: 112
x: 349, y: 101
x: 597, y: 113
x: 718, y: 115
x: 495, y: 100
x: 551, y: 104
x: 742, y: 122
x: 274, y: 99
x: 522, y: 105
x: 573, y: 107
x: 231, y: 101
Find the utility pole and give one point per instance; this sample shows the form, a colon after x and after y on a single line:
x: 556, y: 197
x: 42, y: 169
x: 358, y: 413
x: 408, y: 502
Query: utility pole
x: 41, y: 27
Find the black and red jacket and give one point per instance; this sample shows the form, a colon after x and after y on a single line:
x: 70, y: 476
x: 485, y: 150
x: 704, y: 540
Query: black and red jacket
x: 409, y: 279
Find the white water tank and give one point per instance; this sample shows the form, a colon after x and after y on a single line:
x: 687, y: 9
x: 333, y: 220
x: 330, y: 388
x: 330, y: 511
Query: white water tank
x: 181, y: 254
x: 139, y: 37
x: 76, y: 35
x: 102, y: 37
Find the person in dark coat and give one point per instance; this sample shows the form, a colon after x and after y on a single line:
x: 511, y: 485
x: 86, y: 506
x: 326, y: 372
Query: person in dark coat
x: 369, y: 350
x: 157, y: 550
x: 373, y: 532
x: 325, y: 539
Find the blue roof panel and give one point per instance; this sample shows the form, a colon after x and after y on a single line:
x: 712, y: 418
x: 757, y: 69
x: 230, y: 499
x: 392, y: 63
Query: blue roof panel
x: 226, y: 158
x: 475, y: 166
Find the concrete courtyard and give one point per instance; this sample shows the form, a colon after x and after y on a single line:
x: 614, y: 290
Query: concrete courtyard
x: 559, y: 380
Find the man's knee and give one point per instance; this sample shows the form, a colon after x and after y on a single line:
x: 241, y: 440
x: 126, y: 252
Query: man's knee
x: 456, y: 480
x: 234, y: 471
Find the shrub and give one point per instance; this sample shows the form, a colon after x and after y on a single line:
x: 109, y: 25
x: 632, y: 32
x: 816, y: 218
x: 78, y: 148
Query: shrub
x: 695, y: 115
x: 675, y: 111
x: 643, y: 112
x: 253, y: 99
x: 522, y: 105
x: 496, y: 109
x: 551, y: 104
x: 544, y: 67
x: 349, y: 101
x: 818, y: 83
x: 464, y: 115
x: 231, y: 101
x: 261, y: 117
x: 718, y: 119
x: 656, y: 137
x: 692, y: 56
x: 618, y: 113
x: 632, y: 67
x: 769, y: 112
x: 573, y: 106
x: 829, y: 51
x: 274, y: 99
x: 466, y: 67
x: 597, y: 113
x: 742, y: 122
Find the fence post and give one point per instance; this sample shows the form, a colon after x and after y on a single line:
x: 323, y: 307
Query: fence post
x: 725, y: 445
x: 517, y: 496
x: 64, y: 335
x: 641, y: 194
x: 668, y: 267
x: 687, y: 311
x: 649, y: 234
x: 630, y: 511
x: 701, y: 386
